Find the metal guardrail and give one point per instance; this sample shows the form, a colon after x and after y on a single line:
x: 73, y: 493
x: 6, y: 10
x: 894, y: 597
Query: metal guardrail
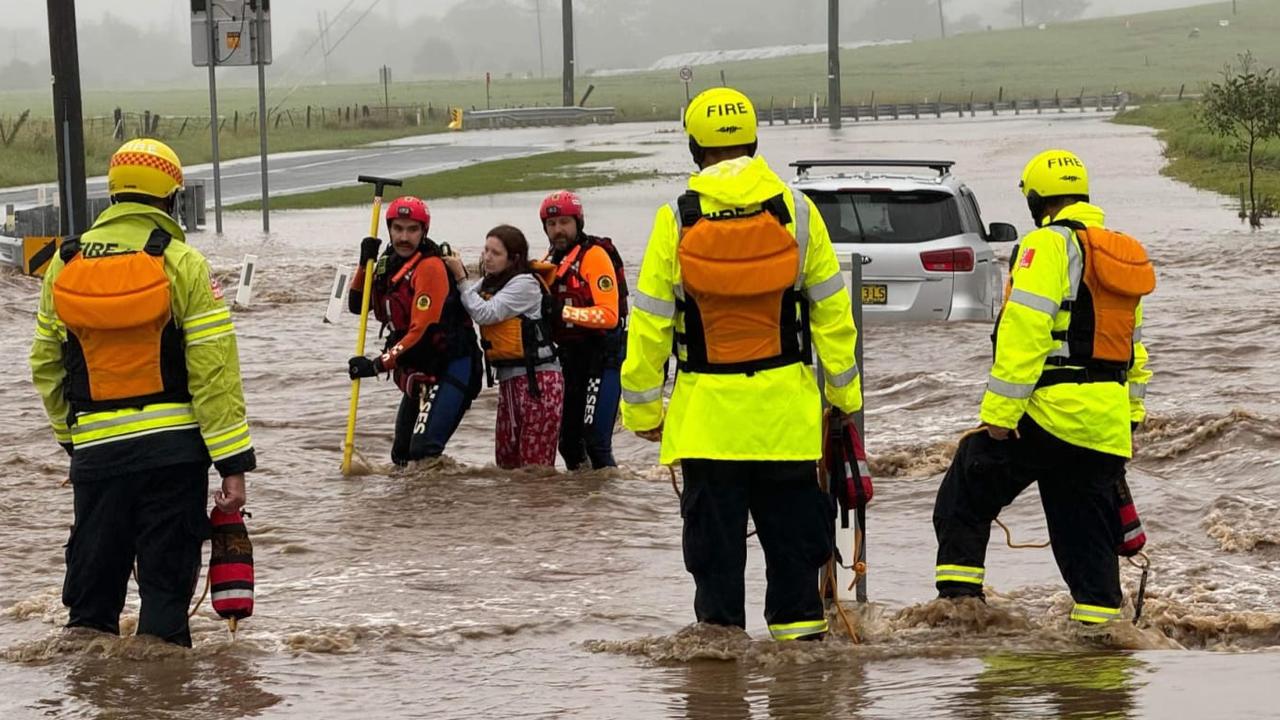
x: 818, y: 112
x: 513, y: 117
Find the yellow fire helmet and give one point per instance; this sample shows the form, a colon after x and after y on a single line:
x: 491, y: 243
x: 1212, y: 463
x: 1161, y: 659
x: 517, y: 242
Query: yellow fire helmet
x: 1054, y: 173
x: 721, y: 117
x: 144, y: 167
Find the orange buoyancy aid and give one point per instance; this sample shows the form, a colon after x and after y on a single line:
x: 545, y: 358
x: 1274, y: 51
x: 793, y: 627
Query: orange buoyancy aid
x: 1106, y: 286
x: 123, y: 348
x: 521, y: 341
x: 740, y: 289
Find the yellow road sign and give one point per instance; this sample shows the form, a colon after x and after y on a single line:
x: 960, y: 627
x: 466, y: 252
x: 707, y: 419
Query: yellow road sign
x: 37, y: 252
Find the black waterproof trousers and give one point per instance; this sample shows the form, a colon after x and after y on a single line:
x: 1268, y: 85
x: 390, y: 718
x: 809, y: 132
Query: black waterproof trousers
x: 154, y: 516
x: 792, y: 519
x: 592, y: 393
x: 1077, y: 491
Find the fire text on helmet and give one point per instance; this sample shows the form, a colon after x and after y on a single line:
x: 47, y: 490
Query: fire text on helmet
x: 723, y: 109
x: 1064, y: 162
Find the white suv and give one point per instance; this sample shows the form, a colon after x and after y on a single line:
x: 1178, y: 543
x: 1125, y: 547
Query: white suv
x: 925, y: 253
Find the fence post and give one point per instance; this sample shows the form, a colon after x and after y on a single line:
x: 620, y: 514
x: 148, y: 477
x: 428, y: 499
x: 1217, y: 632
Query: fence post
x: 235, y: 122
x: 938, y: 108
x: 308, y: 117
x: 118, y: 131
x: 973, y: 112
x: 771, y: 111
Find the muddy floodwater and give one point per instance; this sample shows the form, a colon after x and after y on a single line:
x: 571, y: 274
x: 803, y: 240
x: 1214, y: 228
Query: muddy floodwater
x: 455, y: 590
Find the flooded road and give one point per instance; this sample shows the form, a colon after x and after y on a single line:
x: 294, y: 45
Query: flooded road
x: 457, y: 590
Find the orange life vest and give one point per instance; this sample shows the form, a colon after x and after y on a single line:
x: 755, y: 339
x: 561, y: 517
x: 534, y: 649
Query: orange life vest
x: 521, y: 340
x: 123, y: 349
x: 1108, y: 282
x: 740, y: 288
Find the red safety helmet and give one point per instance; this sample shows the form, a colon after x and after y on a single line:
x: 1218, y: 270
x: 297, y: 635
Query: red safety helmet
x: 561, y: 202
x: 409, y: 208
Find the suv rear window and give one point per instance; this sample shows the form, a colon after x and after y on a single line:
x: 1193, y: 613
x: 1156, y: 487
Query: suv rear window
x: 887, y: 217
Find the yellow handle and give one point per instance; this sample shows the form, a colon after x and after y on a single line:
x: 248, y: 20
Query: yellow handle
x: 348, y: 445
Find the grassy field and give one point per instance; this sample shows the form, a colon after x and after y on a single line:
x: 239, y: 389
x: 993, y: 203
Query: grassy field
x: 548, y: 171
x: 1146, y: 55
x: 1199, y: 158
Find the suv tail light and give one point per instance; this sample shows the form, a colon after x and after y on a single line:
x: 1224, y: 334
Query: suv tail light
x: 954, y: 260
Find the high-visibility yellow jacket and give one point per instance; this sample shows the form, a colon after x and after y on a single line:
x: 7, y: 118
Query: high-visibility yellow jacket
x: 773, y: 414
x: 1091, y: 415
x: 212, y: 426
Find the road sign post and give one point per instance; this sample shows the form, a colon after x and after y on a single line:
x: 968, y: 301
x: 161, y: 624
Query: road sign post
x: 686, y: 74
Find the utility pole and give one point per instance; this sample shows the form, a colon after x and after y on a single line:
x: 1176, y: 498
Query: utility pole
x: 213, y: 117
x: 567, y: 20
x: 259, y: 46
x: 537, y: 9
x: 64, y: 61
x: 1024, y: 12
x: 942, y: 23
x: 324, y: 44
x: 833, y: 64
x: 1234, y: 8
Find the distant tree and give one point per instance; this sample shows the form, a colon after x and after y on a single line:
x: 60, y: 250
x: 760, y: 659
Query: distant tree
x: 1048, y: 11
x: 1244, y: 108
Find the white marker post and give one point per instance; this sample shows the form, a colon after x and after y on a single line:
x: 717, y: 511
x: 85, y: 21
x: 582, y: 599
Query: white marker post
x: 245, y: 292
x: 337, y: 296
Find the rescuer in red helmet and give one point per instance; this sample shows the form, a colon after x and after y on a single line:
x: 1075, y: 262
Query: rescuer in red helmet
x: 590, y: 289
x: 431, y: 349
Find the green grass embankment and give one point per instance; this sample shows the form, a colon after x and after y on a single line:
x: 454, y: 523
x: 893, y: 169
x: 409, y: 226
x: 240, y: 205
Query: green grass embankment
x: 548, y: 171
x: 1198, y: 158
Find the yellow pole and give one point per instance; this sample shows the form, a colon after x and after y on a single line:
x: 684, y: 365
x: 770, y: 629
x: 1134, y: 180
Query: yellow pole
x: 348, y: 445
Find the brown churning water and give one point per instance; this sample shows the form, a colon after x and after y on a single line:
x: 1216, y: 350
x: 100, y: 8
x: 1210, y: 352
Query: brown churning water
x: 457, y: 590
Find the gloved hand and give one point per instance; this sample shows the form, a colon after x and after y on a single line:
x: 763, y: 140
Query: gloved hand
x: 369, y: 250
x: 363, y: 367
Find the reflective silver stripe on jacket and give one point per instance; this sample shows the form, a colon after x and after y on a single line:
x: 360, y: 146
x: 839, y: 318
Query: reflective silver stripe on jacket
x: 802, y: 233
x: 1075, y: 262
x: 843, y: 378
x: 1033, y: 301
x: 826, y: 288
x: 654, y: 306
x: 639, y: 397
x: 1015, y: 391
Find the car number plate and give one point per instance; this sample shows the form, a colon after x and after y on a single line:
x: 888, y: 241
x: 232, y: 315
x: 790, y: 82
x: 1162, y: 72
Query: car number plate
x: 875, y: 294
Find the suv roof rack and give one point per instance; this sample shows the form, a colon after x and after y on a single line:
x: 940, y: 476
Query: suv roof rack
x: 942, y: 167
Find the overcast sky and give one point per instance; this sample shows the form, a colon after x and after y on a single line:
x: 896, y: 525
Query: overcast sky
x: 294, y: 23
x: 290, y: 16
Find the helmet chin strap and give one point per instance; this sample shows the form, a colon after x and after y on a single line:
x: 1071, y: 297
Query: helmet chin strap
x: 1039, y: 207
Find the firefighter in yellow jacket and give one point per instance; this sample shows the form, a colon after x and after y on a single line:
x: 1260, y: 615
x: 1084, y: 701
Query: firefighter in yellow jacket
x: 740, y: 273
x: 135, y: 359
x: 1065, y: 391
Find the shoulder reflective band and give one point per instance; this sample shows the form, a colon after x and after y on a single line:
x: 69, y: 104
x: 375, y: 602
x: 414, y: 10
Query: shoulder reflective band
x: 802, y: 233
x: 1075, y: 263
x: 959, y: 573
x: 1016, y: 391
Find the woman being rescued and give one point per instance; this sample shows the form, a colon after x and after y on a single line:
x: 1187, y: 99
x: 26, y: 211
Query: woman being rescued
x: 509, y: 305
